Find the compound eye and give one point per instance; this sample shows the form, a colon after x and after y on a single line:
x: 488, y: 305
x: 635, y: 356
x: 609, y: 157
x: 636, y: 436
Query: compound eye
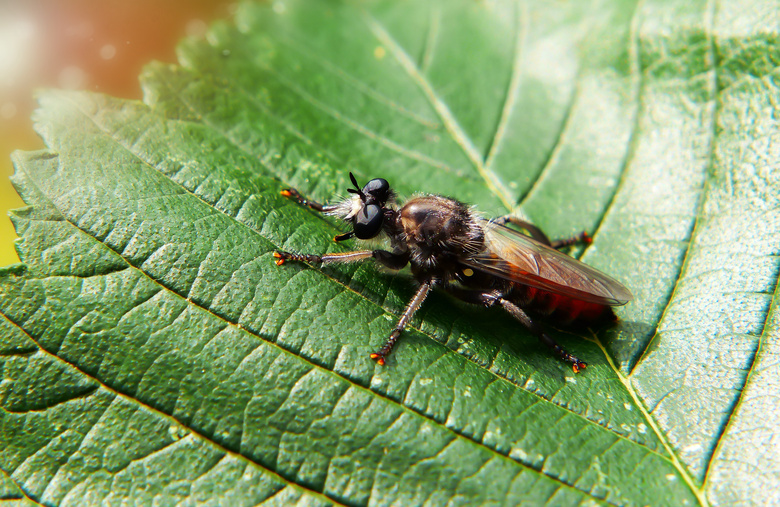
x: 377, y: 188
x: 368, y: 221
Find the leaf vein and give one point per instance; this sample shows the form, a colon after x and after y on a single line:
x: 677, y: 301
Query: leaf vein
x: 346, y: 77
x: 558, y: 144
x: 434, y: 22
x: 457, y: 133
x: 635, y: 64
x: 23, y: 495
x: 513, y: 86
x: 652, y: 423
x: 163, y: 415
x: 356, y: 125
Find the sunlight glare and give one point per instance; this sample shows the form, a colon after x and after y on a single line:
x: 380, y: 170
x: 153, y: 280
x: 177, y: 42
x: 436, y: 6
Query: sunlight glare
x: 17, y: 49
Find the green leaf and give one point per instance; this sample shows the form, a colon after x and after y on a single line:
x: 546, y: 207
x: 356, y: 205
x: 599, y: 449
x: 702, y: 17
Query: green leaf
x: 152, y: 352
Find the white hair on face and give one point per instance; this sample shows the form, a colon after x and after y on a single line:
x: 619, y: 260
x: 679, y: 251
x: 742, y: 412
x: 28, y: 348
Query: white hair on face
x: 346, y: 209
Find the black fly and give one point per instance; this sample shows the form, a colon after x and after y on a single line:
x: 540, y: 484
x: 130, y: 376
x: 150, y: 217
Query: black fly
x: 476, y: 260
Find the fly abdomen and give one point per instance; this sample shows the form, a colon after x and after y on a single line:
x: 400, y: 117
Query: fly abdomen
x: 561, y: 309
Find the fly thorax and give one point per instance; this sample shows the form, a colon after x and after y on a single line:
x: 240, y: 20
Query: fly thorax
x: 436, y: 228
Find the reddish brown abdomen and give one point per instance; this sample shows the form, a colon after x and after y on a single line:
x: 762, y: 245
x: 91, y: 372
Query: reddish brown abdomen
x: 559, y: 308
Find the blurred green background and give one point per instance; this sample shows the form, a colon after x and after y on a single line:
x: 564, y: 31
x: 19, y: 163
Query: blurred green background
x: 98, y: 45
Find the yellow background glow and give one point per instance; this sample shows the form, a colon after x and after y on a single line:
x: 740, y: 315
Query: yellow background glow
x: 97, y: 45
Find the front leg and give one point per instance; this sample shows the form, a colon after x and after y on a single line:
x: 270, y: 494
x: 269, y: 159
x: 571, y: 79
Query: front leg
x: 294, y: 194
x: 358, y: 255
x: 322, y: 208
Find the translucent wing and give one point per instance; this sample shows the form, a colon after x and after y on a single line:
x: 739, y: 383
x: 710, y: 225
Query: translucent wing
x: 519, y: 258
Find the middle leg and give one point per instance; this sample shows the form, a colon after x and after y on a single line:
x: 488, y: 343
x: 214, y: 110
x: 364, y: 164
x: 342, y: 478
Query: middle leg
x: 412, y: 307
x: 543, y: 337
x: 387, y: 259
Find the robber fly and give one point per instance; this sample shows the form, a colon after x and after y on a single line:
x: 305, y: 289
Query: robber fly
x: 478, y: 261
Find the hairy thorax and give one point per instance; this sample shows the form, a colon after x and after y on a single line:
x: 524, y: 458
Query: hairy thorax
x: 437, y: 230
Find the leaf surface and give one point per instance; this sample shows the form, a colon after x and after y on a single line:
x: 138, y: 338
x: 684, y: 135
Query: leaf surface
x: 152, y: 350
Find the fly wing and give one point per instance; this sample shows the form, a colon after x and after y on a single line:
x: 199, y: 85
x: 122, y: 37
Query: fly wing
x: 520, y: 258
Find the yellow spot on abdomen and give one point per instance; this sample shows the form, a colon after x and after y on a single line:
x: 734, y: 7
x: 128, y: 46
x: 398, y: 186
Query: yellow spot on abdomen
x: 468, y: 272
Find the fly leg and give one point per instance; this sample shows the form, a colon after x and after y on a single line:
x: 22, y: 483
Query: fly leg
x: 294, y: 194
x: 582, y: 237
x: 412, y: 307
x: 543, y: 337
x: 387, y: 259
x: 322, y: 208
x: 532, y: 230
x: 540, y: 236
x: 358, y: 255
x: 491, y: 298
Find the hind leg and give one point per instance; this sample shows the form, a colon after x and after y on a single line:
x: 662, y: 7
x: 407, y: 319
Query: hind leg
x: 491, y: 298
x: 540, y: 236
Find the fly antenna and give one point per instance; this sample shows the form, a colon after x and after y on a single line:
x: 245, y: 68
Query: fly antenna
x: 357, y: 189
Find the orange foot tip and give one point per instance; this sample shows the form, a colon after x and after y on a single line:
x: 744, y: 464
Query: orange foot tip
x: 286, y: 192
x: 279, y: 258
x: 586, y: 238
x: 380, y: 360
x: 578, y: 367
